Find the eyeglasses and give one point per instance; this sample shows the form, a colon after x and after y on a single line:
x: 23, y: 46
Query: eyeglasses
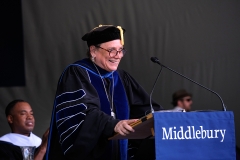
x: 114, y: 52
x: 188, y: 99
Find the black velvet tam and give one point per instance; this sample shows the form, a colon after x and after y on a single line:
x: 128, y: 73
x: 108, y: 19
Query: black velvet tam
x: 101, y: 34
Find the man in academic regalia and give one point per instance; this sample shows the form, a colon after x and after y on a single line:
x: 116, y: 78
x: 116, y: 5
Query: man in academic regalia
x: 21, y: 140
x: 95, y: 99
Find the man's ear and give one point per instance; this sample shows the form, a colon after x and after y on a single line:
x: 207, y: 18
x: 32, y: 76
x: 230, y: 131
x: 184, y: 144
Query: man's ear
x: 10, y: 119
x: 179, y: 103
x: 92, y: 50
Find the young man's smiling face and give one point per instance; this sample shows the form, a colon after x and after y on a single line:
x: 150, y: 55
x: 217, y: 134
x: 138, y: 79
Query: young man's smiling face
x: 21, y: 118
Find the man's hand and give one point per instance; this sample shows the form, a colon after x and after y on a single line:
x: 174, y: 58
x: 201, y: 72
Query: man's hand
x: 45, y: 139
x: 123, y: 127
x: 43, y: 147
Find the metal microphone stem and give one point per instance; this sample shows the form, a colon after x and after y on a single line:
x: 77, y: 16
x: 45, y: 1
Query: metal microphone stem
x: 152, y: 110
x: 224, y: 108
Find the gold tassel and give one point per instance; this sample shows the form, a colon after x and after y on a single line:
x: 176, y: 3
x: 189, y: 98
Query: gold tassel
x: 121, y: 34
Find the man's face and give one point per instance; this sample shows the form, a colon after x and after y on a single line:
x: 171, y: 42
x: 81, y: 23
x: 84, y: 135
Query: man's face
x: 102, y: 58
x: 185, y: 103
x: 21, y: 118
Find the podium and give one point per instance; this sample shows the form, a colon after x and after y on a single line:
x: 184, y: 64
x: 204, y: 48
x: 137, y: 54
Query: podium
x: 188, y: 135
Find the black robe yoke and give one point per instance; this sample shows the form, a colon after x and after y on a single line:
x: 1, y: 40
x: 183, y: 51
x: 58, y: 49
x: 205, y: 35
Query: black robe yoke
x: 9, y: 151
x: 90, y: 127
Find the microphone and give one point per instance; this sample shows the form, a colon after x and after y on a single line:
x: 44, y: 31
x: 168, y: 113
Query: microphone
x: 152, y: 110
x: 155, y: 60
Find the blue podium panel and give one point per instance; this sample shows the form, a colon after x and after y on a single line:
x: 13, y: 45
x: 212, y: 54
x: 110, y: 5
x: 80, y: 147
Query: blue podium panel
x: 195, y: 135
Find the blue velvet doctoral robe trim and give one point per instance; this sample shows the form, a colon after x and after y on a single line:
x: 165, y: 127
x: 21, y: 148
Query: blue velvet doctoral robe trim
x: 119, y: 97
x: 68, y: 119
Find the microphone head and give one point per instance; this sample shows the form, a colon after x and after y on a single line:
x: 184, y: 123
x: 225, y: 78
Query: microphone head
x: 154, y: 59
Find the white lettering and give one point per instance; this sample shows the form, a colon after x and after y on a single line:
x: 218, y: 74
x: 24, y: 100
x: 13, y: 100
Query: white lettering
x: 175, y: 133
x: 189, y: 132
x: 223, y: 134
x: 180, y: 132
x: 203, y: 132
x: 193, y: 132
x: 208, y: 132
x: 165, y: 133
x: 198, y: 132
x: 216, y: 135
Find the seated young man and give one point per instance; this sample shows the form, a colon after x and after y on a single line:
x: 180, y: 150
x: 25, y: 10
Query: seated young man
x: 182, y: 100
x: 21, y: 121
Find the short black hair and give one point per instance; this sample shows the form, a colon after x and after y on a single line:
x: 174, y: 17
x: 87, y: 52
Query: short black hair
x: 179, y: 95
x: 11, y: 105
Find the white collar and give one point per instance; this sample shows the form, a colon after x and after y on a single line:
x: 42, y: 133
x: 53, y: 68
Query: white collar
x: 22, y: 140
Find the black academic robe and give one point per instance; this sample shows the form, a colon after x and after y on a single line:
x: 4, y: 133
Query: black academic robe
x: 9, y: 151
x: 81, y: 121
